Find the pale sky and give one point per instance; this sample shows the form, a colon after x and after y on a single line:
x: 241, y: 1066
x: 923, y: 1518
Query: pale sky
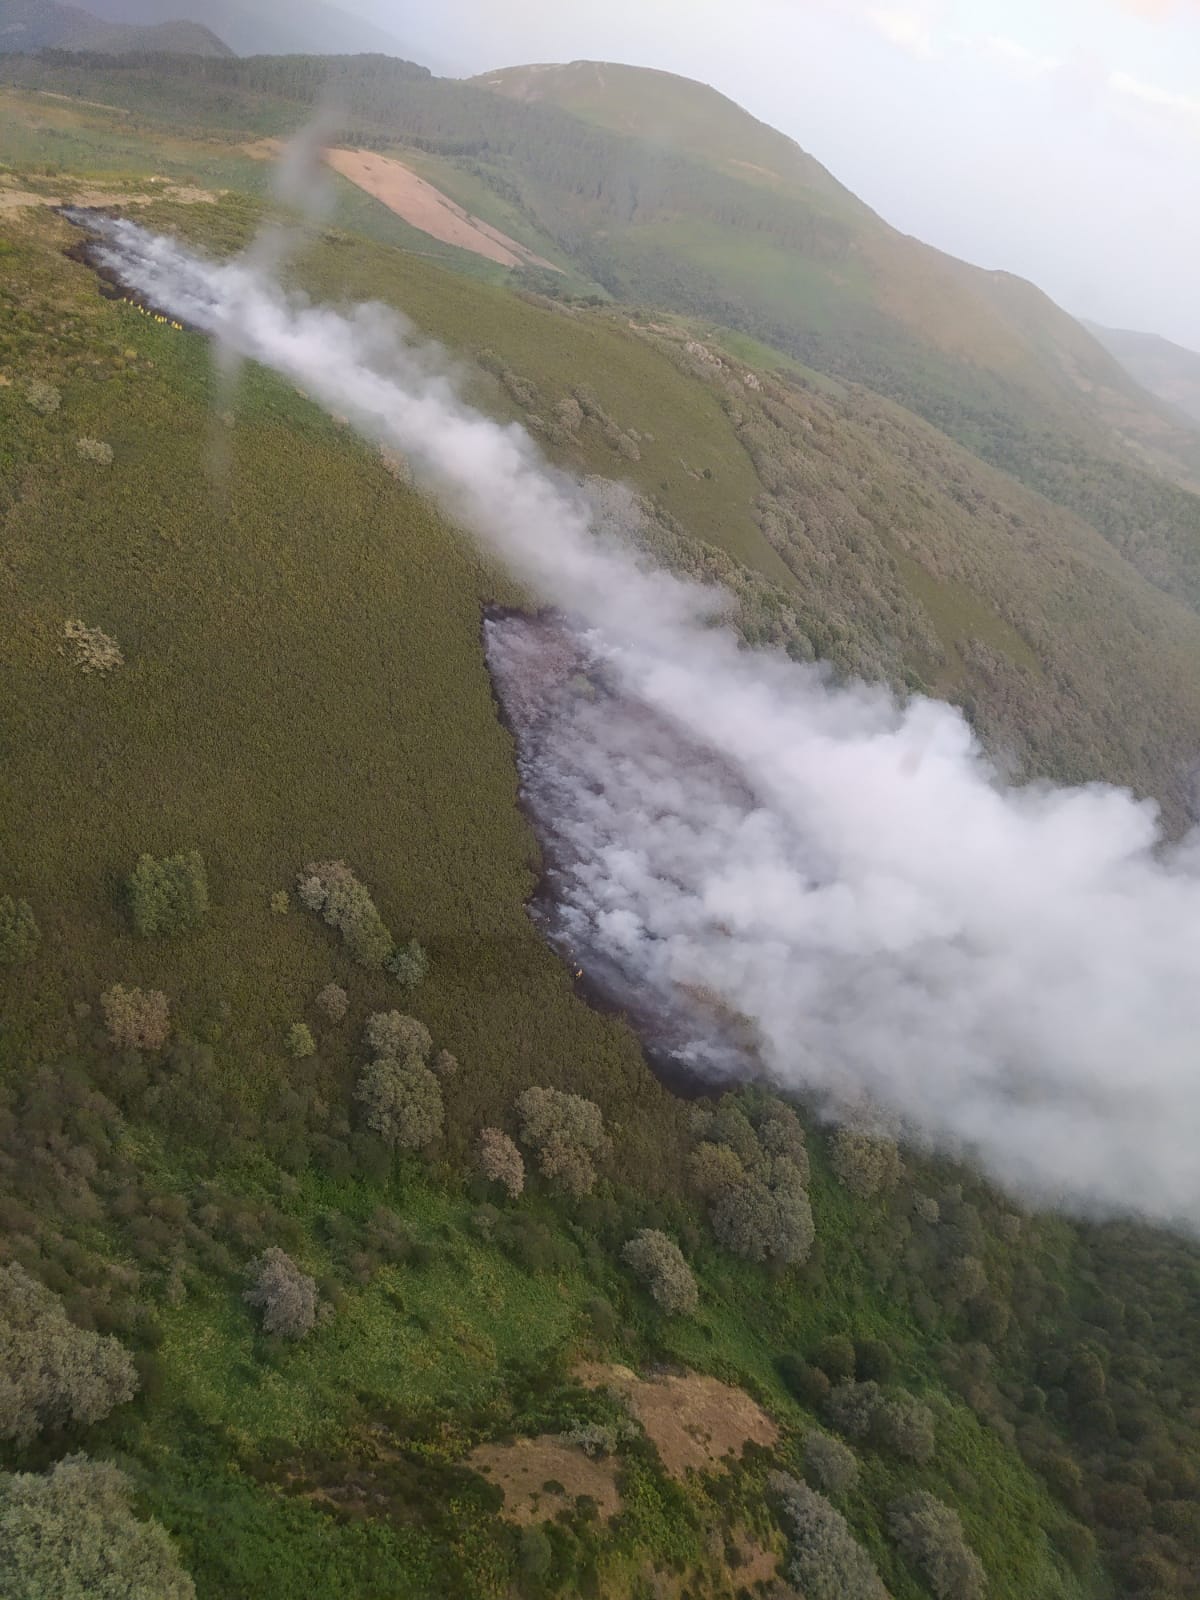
x: 1056, y: 138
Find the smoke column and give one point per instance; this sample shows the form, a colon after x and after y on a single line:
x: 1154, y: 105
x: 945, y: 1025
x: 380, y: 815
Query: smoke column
x: 1013, y: 973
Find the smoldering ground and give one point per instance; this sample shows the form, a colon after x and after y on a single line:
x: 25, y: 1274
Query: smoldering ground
x: 1011, y: 972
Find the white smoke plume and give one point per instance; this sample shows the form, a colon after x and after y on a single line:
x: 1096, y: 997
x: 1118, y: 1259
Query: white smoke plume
x: 1013, y: 972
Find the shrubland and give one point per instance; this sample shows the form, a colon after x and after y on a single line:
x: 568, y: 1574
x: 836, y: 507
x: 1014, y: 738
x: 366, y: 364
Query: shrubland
x: 289, y: 1291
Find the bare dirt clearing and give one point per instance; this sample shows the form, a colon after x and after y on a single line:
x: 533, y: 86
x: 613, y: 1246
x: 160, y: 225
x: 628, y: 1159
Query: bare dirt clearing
x: 522, y: 1470
x: 697, y: 1423
x: 422, y: 206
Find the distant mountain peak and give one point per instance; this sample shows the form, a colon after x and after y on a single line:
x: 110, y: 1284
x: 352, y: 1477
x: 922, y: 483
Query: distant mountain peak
x: 27, y: 26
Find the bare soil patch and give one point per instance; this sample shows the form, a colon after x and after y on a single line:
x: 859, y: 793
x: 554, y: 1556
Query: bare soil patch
x: 423, y: 206
x: 522, y: 1469
x: 697, y: 1423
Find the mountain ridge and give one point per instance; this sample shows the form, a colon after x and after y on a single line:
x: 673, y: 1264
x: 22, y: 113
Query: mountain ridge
x: 31, y: 25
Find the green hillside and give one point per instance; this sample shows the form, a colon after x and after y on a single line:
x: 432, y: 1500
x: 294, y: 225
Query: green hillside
x: 231, y: 629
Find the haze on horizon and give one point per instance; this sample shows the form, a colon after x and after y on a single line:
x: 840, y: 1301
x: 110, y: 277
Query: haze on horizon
x: 1059, y: 140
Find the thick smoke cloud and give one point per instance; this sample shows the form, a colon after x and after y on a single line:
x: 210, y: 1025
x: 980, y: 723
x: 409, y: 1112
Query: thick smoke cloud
x: 1014, y: 973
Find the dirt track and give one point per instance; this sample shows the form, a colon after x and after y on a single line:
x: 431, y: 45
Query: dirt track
x: 422, y: 206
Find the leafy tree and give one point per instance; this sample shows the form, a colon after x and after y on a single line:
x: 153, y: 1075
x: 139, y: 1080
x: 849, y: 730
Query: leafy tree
x: 300, y: 1043
x: 567, y: 1132
x: 169, y: 896
x: 19, y: 934
x: 659, y: 1262
x: 867, y: 1165
x: 766, y: 1217
x: 391, y: 1033
x: 827, y: 1562
x: 836, y: 1357
x: 401, y: 1102
x: 136, y: 1019
x: 832, y: 1464
x: 286, y: 1296
x: 905, y: 1426
x: 331, y: 889
x: 873, y: 1359
x: 408, y: 964
x: 71, y: 1534
x: 52, y: 1372
x: 333, y: 1001
x: 713, y: 1168
x: 499, y: 1161
x: 931, y: 1535
x: 853, y: 1407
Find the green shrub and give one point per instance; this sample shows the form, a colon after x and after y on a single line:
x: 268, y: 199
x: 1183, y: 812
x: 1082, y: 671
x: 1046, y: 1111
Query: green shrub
x: 94, y: 450
x: 408, y: 964
x: 136, y: 1019
x: 333, y: 1001
x: 43, y: 397
x: 331, y: 889
x: 52, y: 1372
x: 836, y: 1358
x: 873, y: 1359
x: 931, y: 1535
x: 659, y: 1263
x: 300, y: 1043
x: 71, y: 1534
x: 19, y: 933
x: 169, y: 896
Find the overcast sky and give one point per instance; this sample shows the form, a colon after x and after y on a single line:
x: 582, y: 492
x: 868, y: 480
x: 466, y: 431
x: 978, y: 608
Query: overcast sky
x: 1057, y: 138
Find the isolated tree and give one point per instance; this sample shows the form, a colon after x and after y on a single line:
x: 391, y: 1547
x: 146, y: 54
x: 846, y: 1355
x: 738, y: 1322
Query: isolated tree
x: 401, y: 1101
x: 931, y: 1535
x: 567, y: 1132
x: 499, y: 1161
x: 19, y: 935
x: 136, y: 1019
x: 333, y: 1001
x: 408, y: 964
x: 659, y: 1263
x: 168, y: 896
x: 95, y: 451
x: 826, y: 1561
x: 71, y: 1534
x: 42, y: 396
x: 52, y: 1372
x: 300, y: 1043
x: 286, y: 1296
x: 331, y: 889
x: 832, y: 1465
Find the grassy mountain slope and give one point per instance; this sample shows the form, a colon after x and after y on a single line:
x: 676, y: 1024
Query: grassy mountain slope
x: 1164, y: 369
x: 29, y: 25
x: 303, y: 678
x: 802, y: 267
